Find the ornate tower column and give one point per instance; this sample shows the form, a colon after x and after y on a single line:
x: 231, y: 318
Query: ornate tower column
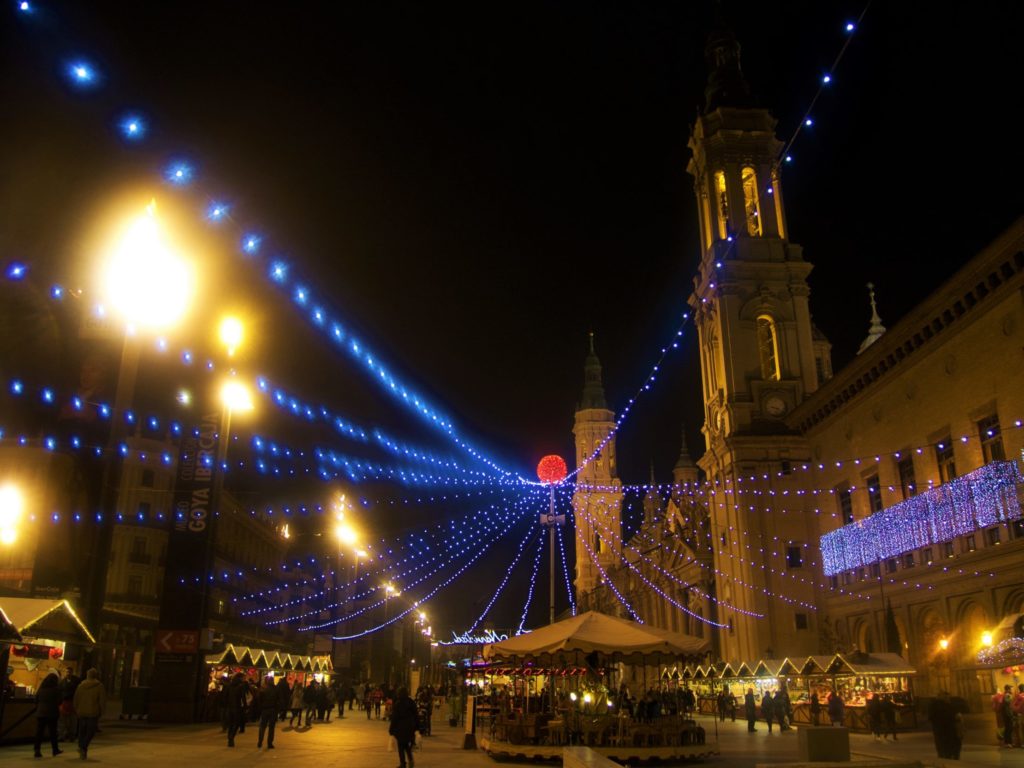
x: 757, y: 352
x: 597, y: 501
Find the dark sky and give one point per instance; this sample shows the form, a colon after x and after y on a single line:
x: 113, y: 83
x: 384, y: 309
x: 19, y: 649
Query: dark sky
x: 476, y: 186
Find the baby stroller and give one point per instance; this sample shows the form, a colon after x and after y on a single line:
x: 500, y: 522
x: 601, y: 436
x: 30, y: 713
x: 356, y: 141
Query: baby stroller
x: 423, y: 713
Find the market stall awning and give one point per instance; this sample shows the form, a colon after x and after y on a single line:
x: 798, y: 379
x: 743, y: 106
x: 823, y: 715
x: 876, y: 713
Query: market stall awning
x: 592, y: 632
x: 877, y: 664
x: 816, y: 665
x: 1008, y: 643
x: 7, y: 629
x: 47, y: 619
x: 744, y: 670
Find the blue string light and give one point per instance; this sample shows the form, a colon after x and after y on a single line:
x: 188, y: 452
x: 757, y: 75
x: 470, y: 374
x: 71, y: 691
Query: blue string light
x: 565, y: 571
x: 533, y: 583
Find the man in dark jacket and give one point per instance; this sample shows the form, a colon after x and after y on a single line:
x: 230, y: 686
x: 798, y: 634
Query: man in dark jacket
x: 268, y: 712
x: 404, y: 724
x: 284, y: 698
x: 750, y: 708
x: 236, y: 691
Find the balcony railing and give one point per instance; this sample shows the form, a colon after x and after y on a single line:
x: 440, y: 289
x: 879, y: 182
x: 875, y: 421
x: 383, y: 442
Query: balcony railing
x: 985, y: 497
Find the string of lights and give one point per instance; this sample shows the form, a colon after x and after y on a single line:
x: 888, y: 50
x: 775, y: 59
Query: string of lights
x: 444, y: 558
x: 606, y: 579
x: 530, y: 533
x: 476, y: 528
x: 661, y: 593
x: 533, y: 583
x: 423, y: 600
x: 565, y: 570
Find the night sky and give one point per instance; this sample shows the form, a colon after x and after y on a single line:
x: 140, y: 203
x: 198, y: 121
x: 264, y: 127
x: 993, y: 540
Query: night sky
x: 475, y: 187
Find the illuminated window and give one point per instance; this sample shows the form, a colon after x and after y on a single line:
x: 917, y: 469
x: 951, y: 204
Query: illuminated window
x: 768, y: 348
x: 991, y: 439
x: 751, y: 204
x: 905, y: 469
x: 944, y: 458
x: 723, y: 205
x: 874, y: 493
x: 794, y: 557
x: 845, y: 503
x: 777, y: 199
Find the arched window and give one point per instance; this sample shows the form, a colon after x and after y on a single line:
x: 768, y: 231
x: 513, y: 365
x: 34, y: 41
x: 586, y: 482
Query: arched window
x: 768, y: 348
x: 723, y: 205
x: 751, y: 203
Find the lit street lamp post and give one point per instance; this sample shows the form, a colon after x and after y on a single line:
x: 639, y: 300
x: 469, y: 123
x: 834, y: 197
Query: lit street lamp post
x: 149, y: 287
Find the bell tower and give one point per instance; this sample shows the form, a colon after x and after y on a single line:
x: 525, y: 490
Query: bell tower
x: 757, y: 350
x: 597, y: 501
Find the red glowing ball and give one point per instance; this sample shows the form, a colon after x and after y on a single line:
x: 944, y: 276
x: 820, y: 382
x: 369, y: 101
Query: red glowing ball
x: 552, y: 469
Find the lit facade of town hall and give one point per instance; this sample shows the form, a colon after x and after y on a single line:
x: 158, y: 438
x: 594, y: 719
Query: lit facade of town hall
x: 824, y: 496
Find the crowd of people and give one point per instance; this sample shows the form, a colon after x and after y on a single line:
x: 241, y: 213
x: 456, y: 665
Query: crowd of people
x: 68, y: 710
x: 241, y: 701
x: 1008, y: 706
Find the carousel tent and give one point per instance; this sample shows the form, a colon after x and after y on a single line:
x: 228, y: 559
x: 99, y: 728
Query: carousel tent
x: 592, y: 632
x: 52, y: 619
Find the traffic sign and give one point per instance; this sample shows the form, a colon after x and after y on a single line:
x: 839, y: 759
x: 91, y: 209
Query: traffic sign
x: 177, y: 640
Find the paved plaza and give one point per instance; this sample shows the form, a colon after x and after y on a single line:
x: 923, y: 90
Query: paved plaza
x: 356, y: 742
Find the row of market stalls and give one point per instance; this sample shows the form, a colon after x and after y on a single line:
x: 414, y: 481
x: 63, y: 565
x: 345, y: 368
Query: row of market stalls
x: 240, y: 657
x: 856, y: 677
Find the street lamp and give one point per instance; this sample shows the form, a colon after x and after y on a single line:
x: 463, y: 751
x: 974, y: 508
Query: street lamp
x: 231, y: 333
x: 146, y: 283
x: 943, y: 643
x: 12, y: 507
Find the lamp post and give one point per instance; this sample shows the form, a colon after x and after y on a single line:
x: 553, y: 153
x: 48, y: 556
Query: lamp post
x: 148, y: 286
x: 551, y: 470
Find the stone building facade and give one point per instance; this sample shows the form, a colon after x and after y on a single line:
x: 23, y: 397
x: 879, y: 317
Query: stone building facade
x: 922, y: 418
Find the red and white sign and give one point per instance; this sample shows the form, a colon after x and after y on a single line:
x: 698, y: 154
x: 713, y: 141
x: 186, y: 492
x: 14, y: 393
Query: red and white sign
x: 177, y: 641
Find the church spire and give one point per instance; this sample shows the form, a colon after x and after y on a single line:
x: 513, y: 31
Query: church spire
x: 684, y: 461
x: 726, y: 85
x: 593, y: 389
x: 877, y: 329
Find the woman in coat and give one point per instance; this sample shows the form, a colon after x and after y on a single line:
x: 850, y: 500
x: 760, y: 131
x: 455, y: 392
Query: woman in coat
x: 48, y: 699
x: 296, y: 703
x: 404, y: 724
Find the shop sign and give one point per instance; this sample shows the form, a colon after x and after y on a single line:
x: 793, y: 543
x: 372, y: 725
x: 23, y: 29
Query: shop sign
x: 489, y: 636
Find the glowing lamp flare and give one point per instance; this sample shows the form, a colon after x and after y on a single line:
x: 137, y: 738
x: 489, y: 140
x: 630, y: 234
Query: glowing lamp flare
x: 551, y: 470
x: 143, y: 279
x: 235, y: 396
x: 12, y: 506
x: 231, y: 333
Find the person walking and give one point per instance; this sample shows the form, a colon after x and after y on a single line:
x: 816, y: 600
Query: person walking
x: 90, y: 698
x: 947, y: 727
x: 48, y: 699
x: 1006, y: 710
x: 815, y: 709
x: 750, y: 707
x: 721, y: 706
x: 1018, y: 716
x: 768, y: 709
x: 367, y: 700
x: 782, y: 712
x: 836, y: 709
x: 284, y: 698
x: 378, y: 700
x: 309, y: 702
x: 888, y: 713
x: 235, y: 701
x: 404, y: 724
x: 874, y: 708
x: 296, y: 704
x: 268, y: 712
x: 67, y: 725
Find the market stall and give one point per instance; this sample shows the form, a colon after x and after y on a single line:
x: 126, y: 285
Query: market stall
x: 1005, y: 657
x: 48, y: 636
x: 856, y: 677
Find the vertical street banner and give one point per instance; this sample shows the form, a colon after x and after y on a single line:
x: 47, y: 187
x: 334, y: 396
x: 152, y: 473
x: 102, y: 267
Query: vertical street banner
x: 178, y: 674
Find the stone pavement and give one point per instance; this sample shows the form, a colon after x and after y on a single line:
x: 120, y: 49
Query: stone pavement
x: 356, y: 742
